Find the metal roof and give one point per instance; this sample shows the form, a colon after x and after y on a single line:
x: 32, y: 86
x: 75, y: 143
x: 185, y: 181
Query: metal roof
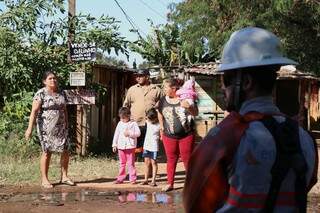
x: 286, y: 72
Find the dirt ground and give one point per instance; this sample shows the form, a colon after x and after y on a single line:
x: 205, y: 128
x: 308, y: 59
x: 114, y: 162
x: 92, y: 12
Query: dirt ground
x: 99, y: 195
x: 103, y: 196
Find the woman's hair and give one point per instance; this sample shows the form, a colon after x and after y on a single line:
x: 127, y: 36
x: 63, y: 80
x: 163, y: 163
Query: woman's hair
x: 46, y: 74
x: 152, y: 115
x: 174, y: 82
x: 124, y: 112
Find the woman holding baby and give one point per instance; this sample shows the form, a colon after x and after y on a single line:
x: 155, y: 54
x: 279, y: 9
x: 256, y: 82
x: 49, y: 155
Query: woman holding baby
x: 177, y: 125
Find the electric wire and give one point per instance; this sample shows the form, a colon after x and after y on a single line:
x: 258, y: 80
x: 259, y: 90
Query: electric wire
x: 144, y: 3
x: 130, y: 20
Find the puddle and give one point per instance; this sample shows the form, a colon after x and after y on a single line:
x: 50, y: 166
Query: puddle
x: 59, y: 198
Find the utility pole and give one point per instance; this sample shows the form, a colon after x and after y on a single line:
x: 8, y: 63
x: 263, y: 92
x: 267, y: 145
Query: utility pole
x: 78, y: 109
x: 71, y: 27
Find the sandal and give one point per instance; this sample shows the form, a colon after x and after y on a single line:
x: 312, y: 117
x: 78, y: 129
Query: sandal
x: 153, y: 184
x: 144, y: 183
x: 67, y: 182
x: 46, y: 185
x: 167, y: 188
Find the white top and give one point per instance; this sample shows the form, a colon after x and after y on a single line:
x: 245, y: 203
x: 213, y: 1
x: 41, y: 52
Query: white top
x: 152, y: 137
x: 122, y: 142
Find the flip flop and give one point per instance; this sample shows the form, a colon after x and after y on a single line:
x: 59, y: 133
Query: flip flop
x: 153, y: 184
x: 167, y: 188
x: 68, y: 182
x: 46, y: 185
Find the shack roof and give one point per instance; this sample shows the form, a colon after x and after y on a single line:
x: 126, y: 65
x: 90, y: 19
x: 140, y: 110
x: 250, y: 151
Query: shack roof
x: 286, y: 72
x: 113, y: 68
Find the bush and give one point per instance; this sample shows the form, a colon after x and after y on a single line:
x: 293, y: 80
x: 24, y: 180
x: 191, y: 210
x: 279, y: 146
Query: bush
x: 13, y: 123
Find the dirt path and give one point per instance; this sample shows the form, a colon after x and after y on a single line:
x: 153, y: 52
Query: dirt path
x: 100, y: 195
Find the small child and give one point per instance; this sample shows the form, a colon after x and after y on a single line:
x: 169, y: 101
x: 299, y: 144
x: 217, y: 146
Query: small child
x: 150, y: 146
x: 187, y: 92
x: 125, y: 141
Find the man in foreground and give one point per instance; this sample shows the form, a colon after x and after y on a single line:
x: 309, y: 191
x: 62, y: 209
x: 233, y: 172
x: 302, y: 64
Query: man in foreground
x: 256, y: 159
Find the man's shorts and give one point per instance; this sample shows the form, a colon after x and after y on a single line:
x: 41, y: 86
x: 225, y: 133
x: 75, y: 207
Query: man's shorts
x: 149, y: 154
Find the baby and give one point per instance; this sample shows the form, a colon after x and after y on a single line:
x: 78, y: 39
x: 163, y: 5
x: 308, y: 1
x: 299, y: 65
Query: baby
x: 187, y: 92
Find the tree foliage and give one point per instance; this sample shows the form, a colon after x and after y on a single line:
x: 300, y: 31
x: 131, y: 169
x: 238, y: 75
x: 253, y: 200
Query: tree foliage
x: 161, y: 47
x: 33, y: 39
x: 206, y: 25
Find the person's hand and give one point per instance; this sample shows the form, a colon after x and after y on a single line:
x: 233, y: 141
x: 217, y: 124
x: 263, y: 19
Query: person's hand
x: 185, y: 104
x: 126, y: 133
x: 27, y: 135
x: 114, y: 149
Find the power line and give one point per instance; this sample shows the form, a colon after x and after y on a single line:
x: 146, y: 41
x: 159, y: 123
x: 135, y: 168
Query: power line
x: 153, y: 9
x: 130, y: 20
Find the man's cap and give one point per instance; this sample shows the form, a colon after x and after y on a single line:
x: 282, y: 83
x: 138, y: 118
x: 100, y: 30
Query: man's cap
x: 142, y: 72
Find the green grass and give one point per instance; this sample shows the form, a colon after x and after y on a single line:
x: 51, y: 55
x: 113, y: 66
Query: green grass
x: 27, y: 172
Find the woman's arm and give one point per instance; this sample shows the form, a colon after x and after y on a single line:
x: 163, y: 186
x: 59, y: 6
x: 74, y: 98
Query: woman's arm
x: 36, y: 105
x: 193, y: 109
x: 66, y: 116
x: 160, y: 118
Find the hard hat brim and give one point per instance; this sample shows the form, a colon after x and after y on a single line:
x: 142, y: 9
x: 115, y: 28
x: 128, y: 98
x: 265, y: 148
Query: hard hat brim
x: 253, y: 63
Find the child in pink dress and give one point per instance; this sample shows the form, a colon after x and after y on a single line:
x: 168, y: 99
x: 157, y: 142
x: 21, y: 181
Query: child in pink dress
x: 125, y: 142
x: 187, y: 92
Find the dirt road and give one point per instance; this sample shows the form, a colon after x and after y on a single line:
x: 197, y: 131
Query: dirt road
x: 101, y: 195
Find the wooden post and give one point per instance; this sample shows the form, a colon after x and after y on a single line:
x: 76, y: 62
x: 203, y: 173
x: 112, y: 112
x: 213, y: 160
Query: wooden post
x: 80, y: 148
x: 71, y: 27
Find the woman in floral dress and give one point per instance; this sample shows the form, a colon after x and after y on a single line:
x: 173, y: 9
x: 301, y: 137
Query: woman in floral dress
x: 50, y: 113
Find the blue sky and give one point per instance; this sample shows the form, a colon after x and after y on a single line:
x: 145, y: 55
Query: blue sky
x: 138, y: 10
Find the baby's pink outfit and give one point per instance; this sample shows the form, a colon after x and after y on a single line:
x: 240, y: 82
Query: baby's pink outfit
x: 187, y: 92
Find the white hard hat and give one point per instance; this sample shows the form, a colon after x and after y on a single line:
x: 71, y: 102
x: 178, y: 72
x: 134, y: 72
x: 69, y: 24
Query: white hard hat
x: 250, y: 47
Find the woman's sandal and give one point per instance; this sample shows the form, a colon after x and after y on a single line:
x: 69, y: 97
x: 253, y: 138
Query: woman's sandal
x: 67, y: 182
x: 144, y: 183
x: 167, y: 188
x: 46, y: 185
x: 153, y: 184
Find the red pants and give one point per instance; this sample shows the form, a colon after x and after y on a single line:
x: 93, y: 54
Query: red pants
x: 173, y: 147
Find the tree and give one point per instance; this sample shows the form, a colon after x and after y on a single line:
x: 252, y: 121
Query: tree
x: 33, y: 38
x: 162, y: 47
x: 206, y: 25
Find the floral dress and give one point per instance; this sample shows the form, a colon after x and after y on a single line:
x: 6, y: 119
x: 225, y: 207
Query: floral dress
x: 51, y: 121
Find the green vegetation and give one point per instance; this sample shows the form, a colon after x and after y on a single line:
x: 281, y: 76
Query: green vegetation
x: 205, y: 25
x: 198, y: 29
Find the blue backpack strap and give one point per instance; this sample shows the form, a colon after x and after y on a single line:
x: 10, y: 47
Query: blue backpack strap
x: 289, y: 156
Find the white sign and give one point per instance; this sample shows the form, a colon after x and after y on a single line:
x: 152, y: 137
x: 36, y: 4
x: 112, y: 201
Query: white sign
x: 77, y: 78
